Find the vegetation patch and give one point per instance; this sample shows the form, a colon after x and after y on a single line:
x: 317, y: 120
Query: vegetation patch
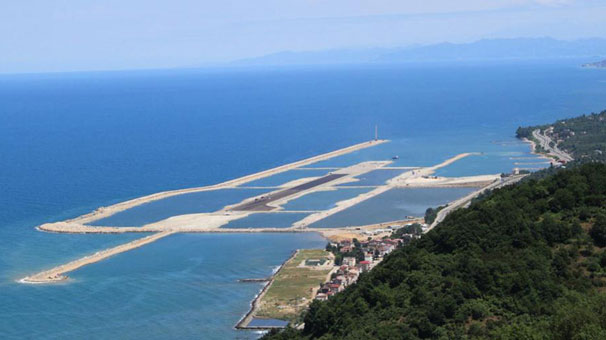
x: 583, y: 137
x: 293, y: 287
x: 526, y: 262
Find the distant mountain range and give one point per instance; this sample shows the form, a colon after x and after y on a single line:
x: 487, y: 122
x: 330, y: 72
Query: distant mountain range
x: 597, y: 64
x: 490, y: 49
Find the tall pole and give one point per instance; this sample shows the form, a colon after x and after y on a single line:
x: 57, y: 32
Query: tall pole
x: 376, y: 133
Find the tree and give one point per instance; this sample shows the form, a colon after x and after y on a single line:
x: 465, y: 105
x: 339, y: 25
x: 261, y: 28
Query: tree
x: 598, y: 231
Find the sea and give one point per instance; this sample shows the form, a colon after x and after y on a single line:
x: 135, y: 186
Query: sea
x: 71, y: 142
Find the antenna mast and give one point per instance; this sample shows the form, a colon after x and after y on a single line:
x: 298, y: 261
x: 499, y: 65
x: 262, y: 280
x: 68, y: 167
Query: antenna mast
x: 376, y: 133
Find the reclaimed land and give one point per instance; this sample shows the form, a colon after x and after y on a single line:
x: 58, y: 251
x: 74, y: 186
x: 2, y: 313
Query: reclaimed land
x: 211, y: 222
x: 108, y: 211
x: 292, y: 288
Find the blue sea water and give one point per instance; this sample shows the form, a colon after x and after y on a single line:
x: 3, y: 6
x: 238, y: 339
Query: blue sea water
x: 323, y: 200
x: 392, y: 205
x: 267, y: 323
x: 184, y: 286
x: 197, y: 202
x: 70, y: 143
x: 375, y: 178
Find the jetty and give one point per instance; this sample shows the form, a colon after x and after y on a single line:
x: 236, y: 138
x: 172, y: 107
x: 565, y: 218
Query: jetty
x: 57, y: 273
x: 268, y: 203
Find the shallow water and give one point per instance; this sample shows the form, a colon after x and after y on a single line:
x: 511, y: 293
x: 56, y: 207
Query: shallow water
x: 323, y: 200
x: 267, y: 323
x: 198, y: 202
x: 266, y: 220
x: 495, y: 158
x: 375, y: 178
x: 154, y: 292
x: 392, y: 205
x: 73, y: 142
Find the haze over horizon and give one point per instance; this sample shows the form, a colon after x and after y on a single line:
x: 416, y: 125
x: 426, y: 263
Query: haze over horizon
x: 63, y: 36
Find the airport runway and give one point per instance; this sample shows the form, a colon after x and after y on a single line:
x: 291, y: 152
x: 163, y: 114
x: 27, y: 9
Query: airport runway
x: 261, y: 204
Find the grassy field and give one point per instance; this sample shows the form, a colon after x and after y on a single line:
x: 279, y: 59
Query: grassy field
x: 293, y: 286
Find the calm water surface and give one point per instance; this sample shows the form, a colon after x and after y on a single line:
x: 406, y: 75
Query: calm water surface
x: 70, y: 143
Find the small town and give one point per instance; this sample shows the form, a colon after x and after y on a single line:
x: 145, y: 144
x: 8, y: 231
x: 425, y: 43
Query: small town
x: 353, y: 257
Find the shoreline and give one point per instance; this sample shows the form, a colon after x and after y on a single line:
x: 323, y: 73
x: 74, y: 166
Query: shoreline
x: 533, y: 148
x: 254, y: 304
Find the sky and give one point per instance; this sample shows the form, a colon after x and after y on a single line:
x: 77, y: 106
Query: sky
x: 77, y: 35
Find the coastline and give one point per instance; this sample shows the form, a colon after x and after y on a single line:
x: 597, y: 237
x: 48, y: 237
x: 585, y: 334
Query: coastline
x: 533, y: 148
x: 254, y: 304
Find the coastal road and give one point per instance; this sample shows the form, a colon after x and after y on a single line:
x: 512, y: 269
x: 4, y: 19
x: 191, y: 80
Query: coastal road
x: 545, y: 142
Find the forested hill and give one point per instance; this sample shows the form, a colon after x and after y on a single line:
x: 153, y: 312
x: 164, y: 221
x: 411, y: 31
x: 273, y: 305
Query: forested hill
x: 583, y: 137
x: 526, y: 262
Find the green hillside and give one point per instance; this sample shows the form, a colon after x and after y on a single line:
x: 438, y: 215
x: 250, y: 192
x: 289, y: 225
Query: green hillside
x: 583, y: 137
x: 526, y: 262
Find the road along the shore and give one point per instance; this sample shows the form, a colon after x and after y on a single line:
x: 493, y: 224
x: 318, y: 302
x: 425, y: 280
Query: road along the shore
x: 545, y: 141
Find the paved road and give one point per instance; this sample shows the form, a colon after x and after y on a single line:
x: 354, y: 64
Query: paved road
x: 261, y: 204
x: 545, y: 140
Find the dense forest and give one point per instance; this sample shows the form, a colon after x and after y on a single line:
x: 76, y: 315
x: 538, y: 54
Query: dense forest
x: 583, y: 137
x: 524, y: 262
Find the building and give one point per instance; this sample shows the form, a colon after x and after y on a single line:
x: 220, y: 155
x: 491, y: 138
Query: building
x: 364, y: 266
x: 322, y: 297
x: 349, y: 261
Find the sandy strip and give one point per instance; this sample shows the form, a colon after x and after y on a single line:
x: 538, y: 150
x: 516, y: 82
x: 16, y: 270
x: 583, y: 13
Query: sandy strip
x: 394, y: 182
x: 452, y: 160
x: 207, y: 222
x: 108, y: 211
x: 446, y: 182
x: 57, y: 274
x: 348, y: 233
x: 533, y: 148
x: 324, y: 168
x: 401, y: 167
x: 342, y: 205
